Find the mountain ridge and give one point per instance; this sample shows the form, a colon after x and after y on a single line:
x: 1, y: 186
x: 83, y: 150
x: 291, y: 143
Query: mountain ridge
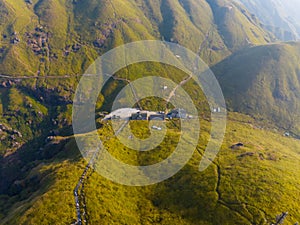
x: 48, y: 36
x: 282, y: 20
x: 267, y: 85
x: 52, y: 42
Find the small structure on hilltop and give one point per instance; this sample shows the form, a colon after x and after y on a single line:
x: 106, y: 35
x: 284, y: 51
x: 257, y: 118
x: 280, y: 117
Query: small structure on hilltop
x: 139, y: 116
x: 177, y: 113
x: 123, y: 114
x: 156, y: 128
x: 157, y: 116
x: 237, y: 146
x: 216, y: 110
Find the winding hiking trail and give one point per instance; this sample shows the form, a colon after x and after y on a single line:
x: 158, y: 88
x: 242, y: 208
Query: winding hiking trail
x: 229, y: 205
x: 81, y: 211
x: 172, y: 93
x: 80, y: 185
x: 183, y: 82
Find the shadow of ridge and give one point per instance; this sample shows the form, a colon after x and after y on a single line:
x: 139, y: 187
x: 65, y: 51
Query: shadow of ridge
x: 17, y: 182
x: 17, y: 165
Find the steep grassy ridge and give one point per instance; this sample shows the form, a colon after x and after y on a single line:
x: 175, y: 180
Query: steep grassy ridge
x: 267, y: 85
x: 63, y: 37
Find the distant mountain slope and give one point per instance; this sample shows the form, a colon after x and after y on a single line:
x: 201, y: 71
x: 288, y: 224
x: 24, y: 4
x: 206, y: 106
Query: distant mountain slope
x: 264, y: 81
x: 279, y: 16
x: 63, y: 37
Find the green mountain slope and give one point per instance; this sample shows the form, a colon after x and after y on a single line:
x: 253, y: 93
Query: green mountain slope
x: 63, y: 37
x: 264, y: 81
x: 249, y: 185
x: 39, y: 161
x: 237, y: 26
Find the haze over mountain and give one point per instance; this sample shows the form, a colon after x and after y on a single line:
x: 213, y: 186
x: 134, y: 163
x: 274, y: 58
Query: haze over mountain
x: 45, y: 47
x: 279, y: 16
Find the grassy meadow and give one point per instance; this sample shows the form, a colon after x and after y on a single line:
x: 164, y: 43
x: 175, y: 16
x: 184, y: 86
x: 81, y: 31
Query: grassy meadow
x: 238, y: 187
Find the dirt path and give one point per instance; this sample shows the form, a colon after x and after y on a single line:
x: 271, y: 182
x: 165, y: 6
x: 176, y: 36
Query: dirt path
x: 178, y: 86
x: 78, y: 191
x: 201, y: 47
x: 79, y: 195
x: 228, y: 205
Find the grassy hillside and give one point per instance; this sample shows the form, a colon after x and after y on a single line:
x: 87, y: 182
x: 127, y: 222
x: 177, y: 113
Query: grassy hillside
x: 63, y: 37
x: 267, y: 86
x: 40, y: 164
x: 237, y: 26
x: 27, y: 117
x: 249, y: 185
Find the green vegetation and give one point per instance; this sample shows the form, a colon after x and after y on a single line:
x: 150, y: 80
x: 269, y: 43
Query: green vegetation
x: 63, y: 37
x: 28, y: 116
x: 238, y: 188
x: 267, y: 86
x: 57, y: 40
